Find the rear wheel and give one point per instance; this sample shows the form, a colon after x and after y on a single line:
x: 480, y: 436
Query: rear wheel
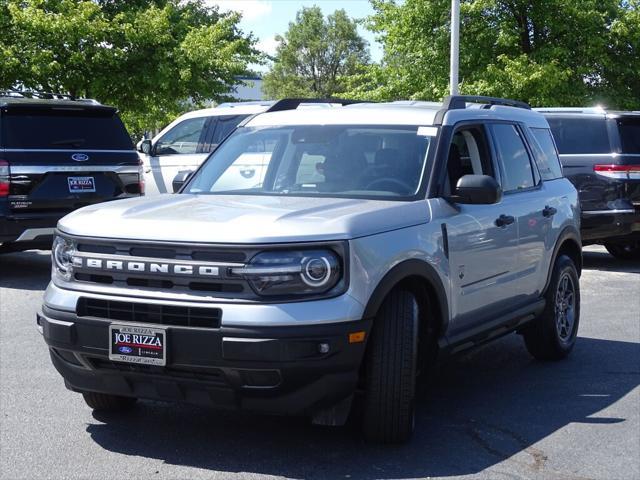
x: 390, y: 370
x: 624, y: 251
x: 552, y: 335
x: 103, y: 402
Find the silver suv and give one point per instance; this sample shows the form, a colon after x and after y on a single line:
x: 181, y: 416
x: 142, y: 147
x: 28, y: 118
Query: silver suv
x: 378, y: 236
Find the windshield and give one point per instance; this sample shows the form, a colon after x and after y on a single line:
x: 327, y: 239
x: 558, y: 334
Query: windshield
x: 318, y: 160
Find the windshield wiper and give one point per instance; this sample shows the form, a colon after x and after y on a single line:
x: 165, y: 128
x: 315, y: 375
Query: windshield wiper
x: 74, y: 142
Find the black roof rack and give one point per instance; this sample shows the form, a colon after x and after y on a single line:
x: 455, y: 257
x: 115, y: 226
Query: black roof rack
x: 459, y: 102
x: 37, y: 94
x: 293, y: 103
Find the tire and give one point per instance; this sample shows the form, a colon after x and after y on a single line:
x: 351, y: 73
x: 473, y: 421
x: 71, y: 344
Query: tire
x: 552, y: 335
x: 624, y: 251
x: 103, y: 402
x: 390, y: 371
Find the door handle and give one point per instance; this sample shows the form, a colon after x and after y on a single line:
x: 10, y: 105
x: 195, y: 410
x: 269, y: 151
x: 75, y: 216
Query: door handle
x: 504, y: 220
x: 549, y: 211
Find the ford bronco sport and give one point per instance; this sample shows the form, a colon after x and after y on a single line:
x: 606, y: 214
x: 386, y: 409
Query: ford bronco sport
x: 57, y: 154
x: 379, y: 235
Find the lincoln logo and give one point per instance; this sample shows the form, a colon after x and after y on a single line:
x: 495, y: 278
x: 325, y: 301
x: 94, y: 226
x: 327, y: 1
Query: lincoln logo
x: 149, y: 267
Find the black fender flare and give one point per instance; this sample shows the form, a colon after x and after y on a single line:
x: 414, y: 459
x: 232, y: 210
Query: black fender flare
x: 568, y: 233
x: 402, y: 271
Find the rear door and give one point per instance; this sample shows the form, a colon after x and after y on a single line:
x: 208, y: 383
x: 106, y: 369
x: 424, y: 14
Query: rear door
x: 531, y: 205
x: 64, y: 157
x: 184, y: 147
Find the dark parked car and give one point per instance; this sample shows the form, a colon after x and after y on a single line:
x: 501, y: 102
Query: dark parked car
x: 600, y: 154
x: 58, y: 154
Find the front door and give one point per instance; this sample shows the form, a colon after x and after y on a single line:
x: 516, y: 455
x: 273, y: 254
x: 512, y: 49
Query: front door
x: 483, y: 239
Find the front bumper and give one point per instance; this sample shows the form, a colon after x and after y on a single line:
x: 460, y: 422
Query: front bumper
x: 266, y: 369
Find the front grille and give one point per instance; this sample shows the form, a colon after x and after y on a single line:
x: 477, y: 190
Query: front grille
x: 150, y: 313
x: 223, y: 284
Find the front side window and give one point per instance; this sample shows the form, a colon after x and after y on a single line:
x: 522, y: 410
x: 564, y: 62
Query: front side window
x: 182, y: 138
x: 513, y: 155
x: 468, y: 155
x: 317, y: 160
x: 545, y: 152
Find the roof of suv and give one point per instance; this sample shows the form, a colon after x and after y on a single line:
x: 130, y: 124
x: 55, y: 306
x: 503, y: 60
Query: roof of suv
x: 235, y: 108
x: 16, y: 102
x: 404, y: 112
x: 599, y: 111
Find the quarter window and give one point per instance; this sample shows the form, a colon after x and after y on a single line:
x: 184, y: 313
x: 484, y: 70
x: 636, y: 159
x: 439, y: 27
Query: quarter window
x: 518, y: 171
x: 545, y: 152
x: 580, y: 135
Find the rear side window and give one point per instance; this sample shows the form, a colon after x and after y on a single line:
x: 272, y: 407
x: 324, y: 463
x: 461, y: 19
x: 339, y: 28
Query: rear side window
x: 218, y: 129
x: 629, y: 129
x: 83, y: 130
x: 514, y: 158
x: 545, y: 153
x: 580, y: 134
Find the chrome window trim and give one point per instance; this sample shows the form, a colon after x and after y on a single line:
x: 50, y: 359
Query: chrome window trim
x: 66, y: 150
x: 39, y: 169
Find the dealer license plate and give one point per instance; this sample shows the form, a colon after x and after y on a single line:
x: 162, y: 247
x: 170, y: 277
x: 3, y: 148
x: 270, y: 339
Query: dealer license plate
x: 137, y: 344
x: 81, y: 184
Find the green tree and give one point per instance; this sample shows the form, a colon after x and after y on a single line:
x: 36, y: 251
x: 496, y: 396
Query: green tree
x: 147, y: 57
x: 546, y: 52
x: 315, y: 56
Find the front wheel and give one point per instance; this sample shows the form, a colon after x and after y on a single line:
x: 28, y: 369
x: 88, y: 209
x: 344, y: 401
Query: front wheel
x: 390, y: 370
x: 624, y: 251
x: 552, y: 335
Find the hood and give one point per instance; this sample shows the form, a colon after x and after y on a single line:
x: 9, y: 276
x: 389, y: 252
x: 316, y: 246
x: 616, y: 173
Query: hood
x: 242, y: 219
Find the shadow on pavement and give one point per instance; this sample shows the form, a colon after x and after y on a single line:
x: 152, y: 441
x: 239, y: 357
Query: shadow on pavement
x: 29, y: 270
x: 607, y: 263
x: 481, y: 409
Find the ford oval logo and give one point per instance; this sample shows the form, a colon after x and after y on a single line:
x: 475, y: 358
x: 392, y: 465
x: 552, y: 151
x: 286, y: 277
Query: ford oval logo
x: 125, y: 349
x: 80, y: 157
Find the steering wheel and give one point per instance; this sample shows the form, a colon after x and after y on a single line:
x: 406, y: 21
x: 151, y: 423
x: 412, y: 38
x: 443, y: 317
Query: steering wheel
x: 404, y: 187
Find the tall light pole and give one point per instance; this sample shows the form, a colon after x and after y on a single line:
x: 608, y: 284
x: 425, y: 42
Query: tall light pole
x: 455, y: 46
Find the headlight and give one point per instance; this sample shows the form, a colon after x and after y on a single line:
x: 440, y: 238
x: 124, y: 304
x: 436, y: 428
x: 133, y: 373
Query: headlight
x: 287, y: 273
x: 62, y: 252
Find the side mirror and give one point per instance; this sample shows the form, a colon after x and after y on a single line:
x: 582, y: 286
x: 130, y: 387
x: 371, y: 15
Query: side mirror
x: 477, y: 190
x: 180, y: 179
x: 145, y: 146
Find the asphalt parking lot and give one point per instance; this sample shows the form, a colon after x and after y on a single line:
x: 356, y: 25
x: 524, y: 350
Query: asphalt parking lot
x: 494, y: 413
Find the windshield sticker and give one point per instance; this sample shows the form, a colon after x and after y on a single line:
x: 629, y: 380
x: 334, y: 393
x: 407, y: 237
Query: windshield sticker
x: 427, y: 131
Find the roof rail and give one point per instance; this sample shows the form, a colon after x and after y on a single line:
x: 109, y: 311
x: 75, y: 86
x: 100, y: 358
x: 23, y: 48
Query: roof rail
x: 14, y: 92
x: 459, y: 102
x: 293, y: 103
x: 243, y: 103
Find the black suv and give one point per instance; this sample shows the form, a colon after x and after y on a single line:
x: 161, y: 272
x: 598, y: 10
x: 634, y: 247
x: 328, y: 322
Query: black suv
x: 600, y: 154
x: 58, y: 154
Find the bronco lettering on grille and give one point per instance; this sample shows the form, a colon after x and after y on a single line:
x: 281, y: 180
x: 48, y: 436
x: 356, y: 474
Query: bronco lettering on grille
x: 147, y: 267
